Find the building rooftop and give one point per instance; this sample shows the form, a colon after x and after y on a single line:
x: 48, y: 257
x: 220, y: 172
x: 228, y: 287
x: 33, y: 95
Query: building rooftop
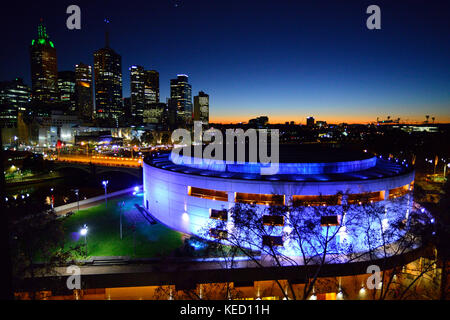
x: 305, y: 164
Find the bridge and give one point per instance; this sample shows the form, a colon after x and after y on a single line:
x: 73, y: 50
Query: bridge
x: 100, y: 164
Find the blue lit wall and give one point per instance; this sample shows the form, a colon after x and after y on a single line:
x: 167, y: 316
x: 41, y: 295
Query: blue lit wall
x: 167, y: 194
x: 283, y: 168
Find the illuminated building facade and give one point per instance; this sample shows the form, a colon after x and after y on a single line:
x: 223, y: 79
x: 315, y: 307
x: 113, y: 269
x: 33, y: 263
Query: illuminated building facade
x: 151, y: 87
x: 66, y: 90
x: 188, y: 195
x: 201, y: 108
x: 15, y: 97
x: 144, y: 91
x: 137, y: 79
x: 44, y: 70
x: 156, y: 113
x: 181, y: 96
x: 108, y: 83
x: 84, y: 91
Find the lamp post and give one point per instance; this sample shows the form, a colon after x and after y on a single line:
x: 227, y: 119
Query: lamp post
x: 105, y: 184
x: 78, y: 199
x: 52, y: 198
x: 83, y: 232
x: 120, y: 204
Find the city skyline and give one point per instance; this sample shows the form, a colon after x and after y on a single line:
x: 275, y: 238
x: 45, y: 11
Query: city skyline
x: 337, y: 71
x: 225, y: 151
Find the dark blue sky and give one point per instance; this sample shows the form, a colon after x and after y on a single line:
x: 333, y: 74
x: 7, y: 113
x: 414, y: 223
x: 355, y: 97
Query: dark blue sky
x: 284, y: 59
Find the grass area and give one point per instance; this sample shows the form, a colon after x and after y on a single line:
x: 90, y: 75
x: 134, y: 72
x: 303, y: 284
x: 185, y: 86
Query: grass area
x: 103, y: 238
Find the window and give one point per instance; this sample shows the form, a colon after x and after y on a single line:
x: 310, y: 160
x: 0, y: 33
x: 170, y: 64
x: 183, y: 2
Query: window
x: 218, y: 234
x: 256, y: 198
x: 367, y: 197
x: 328, y: 221
x: 271, y: 241
x: 332, y: 200
x: 326, y: 296
x: 208, y: 194
x: 219, y: 214
x: 272, y: 220
x: 398, y: 192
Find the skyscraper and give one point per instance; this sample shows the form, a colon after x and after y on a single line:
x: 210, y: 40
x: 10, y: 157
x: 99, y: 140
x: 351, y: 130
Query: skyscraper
x: 151, y: 87
x: 108, y: 83
x: 44, y: 71
x: 66, y: 90
x: 83, y: 91
x: 137, y: 80
x: 14, y: 99
x: 181, y: 95
x: 310, y: 122
x: 201, y: 108
x: 144, y: 90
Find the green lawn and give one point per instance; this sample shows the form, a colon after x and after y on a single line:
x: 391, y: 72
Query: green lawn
x: 103, y: 238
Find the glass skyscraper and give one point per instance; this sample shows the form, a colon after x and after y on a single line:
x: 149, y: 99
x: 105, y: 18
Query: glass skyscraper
x: 137, y: 80
x: 108, y: 83
x: 84, y: 91
x: 144, y: 90
x: 66, y: 90
x: 151, y: 87
x: 14, y: 99
x: 181, y: 95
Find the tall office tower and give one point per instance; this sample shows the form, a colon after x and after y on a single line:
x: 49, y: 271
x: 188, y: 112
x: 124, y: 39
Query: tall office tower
x: 137, y: 80
x: 151, y: 87
x: 310, y: 122
x: 181, y: 94
x: 44, y: 71
x: 66, y: 90
x: 15, y: 97
x: 84, y: 91
x: 201, y: 108
x: 108, y: 83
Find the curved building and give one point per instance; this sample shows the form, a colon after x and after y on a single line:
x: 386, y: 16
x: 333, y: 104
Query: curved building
x: 189, y: 194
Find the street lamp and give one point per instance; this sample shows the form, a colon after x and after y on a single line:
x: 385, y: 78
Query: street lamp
x: 83, y: 232
x: 120, y: 204
x: 78, y: 199
x: 52, y: 198
x: 105, y: 184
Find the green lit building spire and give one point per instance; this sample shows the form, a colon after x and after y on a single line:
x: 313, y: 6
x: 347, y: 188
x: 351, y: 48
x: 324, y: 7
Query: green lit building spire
x: 43, y: 38
x: 44, y: 73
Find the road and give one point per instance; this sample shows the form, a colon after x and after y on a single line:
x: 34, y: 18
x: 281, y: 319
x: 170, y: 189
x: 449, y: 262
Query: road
x: 101, y: 160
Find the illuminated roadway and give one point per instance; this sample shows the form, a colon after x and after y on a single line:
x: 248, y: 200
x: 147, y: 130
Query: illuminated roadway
x: 101, y: 160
